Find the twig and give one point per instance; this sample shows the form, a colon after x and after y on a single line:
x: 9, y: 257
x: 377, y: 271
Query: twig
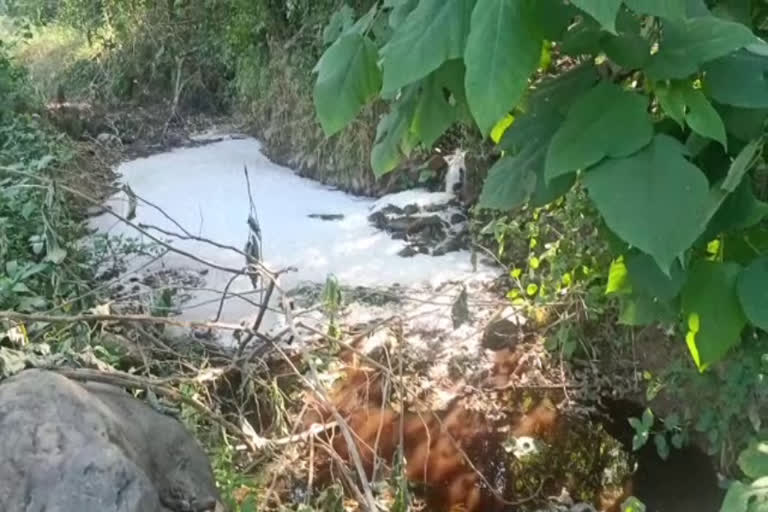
x: 253, y: 441
x: 23, y: 317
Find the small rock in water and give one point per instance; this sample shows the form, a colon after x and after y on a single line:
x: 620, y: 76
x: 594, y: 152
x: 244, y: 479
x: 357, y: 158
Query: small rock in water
x: 458, y: 218
x: 411, y: 209
x: 326, y: 216
x: 408, y: 251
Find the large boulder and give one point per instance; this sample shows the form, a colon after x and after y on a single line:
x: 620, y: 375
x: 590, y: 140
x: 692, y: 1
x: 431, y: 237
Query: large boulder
x: 69, y: 447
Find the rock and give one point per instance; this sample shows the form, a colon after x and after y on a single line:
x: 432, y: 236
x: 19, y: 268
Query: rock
x: 504, y: 330
x: 455, y: 242
x: 326, y: 216
x: 408, y: 252
x: 411, y: 209
x: 458, y: 218
x: 421, y: 223
x: 70, y: 447
x: 391, y: 209
x: 378, y: 219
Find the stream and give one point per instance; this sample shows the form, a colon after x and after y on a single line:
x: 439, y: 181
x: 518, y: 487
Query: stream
x: 204, y: 190
x: 319, y: 232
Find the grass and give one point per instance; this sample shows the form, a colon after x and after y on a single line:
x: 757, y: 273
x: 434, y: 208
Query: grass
x: 52, y: 56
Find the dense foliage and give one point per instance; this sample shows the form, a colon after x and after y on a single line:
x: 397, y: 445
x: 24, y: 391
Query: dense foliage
x: 655, y: 108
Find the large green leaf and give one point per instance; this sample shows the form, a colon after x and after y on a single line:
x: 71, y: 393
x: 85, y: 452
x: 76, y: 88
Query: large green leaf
x: 739, y: 80
x: 434, y: 32
x: 668, y: 9
x: 400, y: 11
x: 511, y: 180
x: 711, y: 305
x: 655, y: 200
x: 394, y: 140
x: 434, y: 112
x: 514, y: 178
x: 561, y: 92
x: 503, y: 50
x: 688, y: 44
x: 753, y: 292
x: 604, y: 11
x: 605, y: 122
x: 348, y: 77
x: 646, y: 277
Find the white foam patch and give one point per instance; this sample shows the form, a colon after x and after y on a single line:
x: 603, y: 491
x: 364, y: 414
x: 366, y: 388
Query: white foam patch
x: 204, y: 189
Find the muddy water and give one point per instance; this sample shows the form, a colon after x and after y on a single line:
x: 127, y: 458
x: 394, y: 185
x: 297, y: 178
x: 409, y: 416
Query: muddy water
x: 685, y: 482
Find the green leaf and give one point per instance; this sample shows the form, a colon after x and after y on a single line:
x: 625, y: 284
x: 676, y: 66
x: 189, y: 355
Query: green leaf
x: 604, y: 11
x: 552, y: 17
x: 617, y: 278
x: 520, y: 174
x: 647, y: 419
x: 646, y: 277
x: 677, y: 440
x: 393, y: 136
x: 639, y: 440
x: 503, y: 50
x: 739, y: 210
x: 558, y: 94
x: 672, y: 100
x: 715, y: 317
x: 400, y: 11
x: 668, y: 9
x: 605, y: 122
x: 753, y: 461
x: 743, y: 162
x: 583, y: 38
x: 743, y: 497
x: 639, y: 309
x: 703, y: 118
x: 682, y: 102
x: 436, y: 31
x: 745, y: 124
x: 662, y: 447
x: 547, y: 191
x: 56, y: 255
x: 339, y: 22
x: 753, y: 293
x: 348, y: 77
x: 690, y: 43
x: 633, y: 504
x: 635, y: 423
x: 655, y: 199
x: 434, y: 113
x: 628, y: 50
x: 511, y: 180
x: 739, y: 80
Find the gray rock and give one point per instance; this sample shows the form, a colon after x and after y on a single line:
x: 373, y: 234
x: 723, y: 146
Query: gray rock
x: 67, y: 447
x: 411, y: 209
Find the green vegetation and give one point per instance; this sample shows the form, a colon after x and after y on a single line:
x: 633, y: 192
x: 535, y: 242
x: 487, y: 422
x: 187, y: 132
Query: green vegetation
x: 655, y: 109
x: 629, y: 177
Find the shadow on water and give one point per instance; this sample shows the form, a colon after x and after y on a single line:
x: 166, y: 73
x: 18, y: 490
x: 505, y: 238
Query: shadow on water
x: 685, y: 482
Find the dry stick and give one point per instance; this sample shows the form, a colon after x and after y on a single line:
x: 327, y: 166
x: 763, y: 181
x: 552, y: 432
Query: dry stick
x: 121, y: 379
x: 257, y: 323
x: 318, y: 390
x: 23, y: 317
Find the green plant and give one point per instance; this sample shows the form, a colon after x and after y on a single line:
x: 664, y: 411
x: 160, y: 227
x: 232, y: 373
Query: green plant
x: 655, y: 109
x: 653, y: 136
